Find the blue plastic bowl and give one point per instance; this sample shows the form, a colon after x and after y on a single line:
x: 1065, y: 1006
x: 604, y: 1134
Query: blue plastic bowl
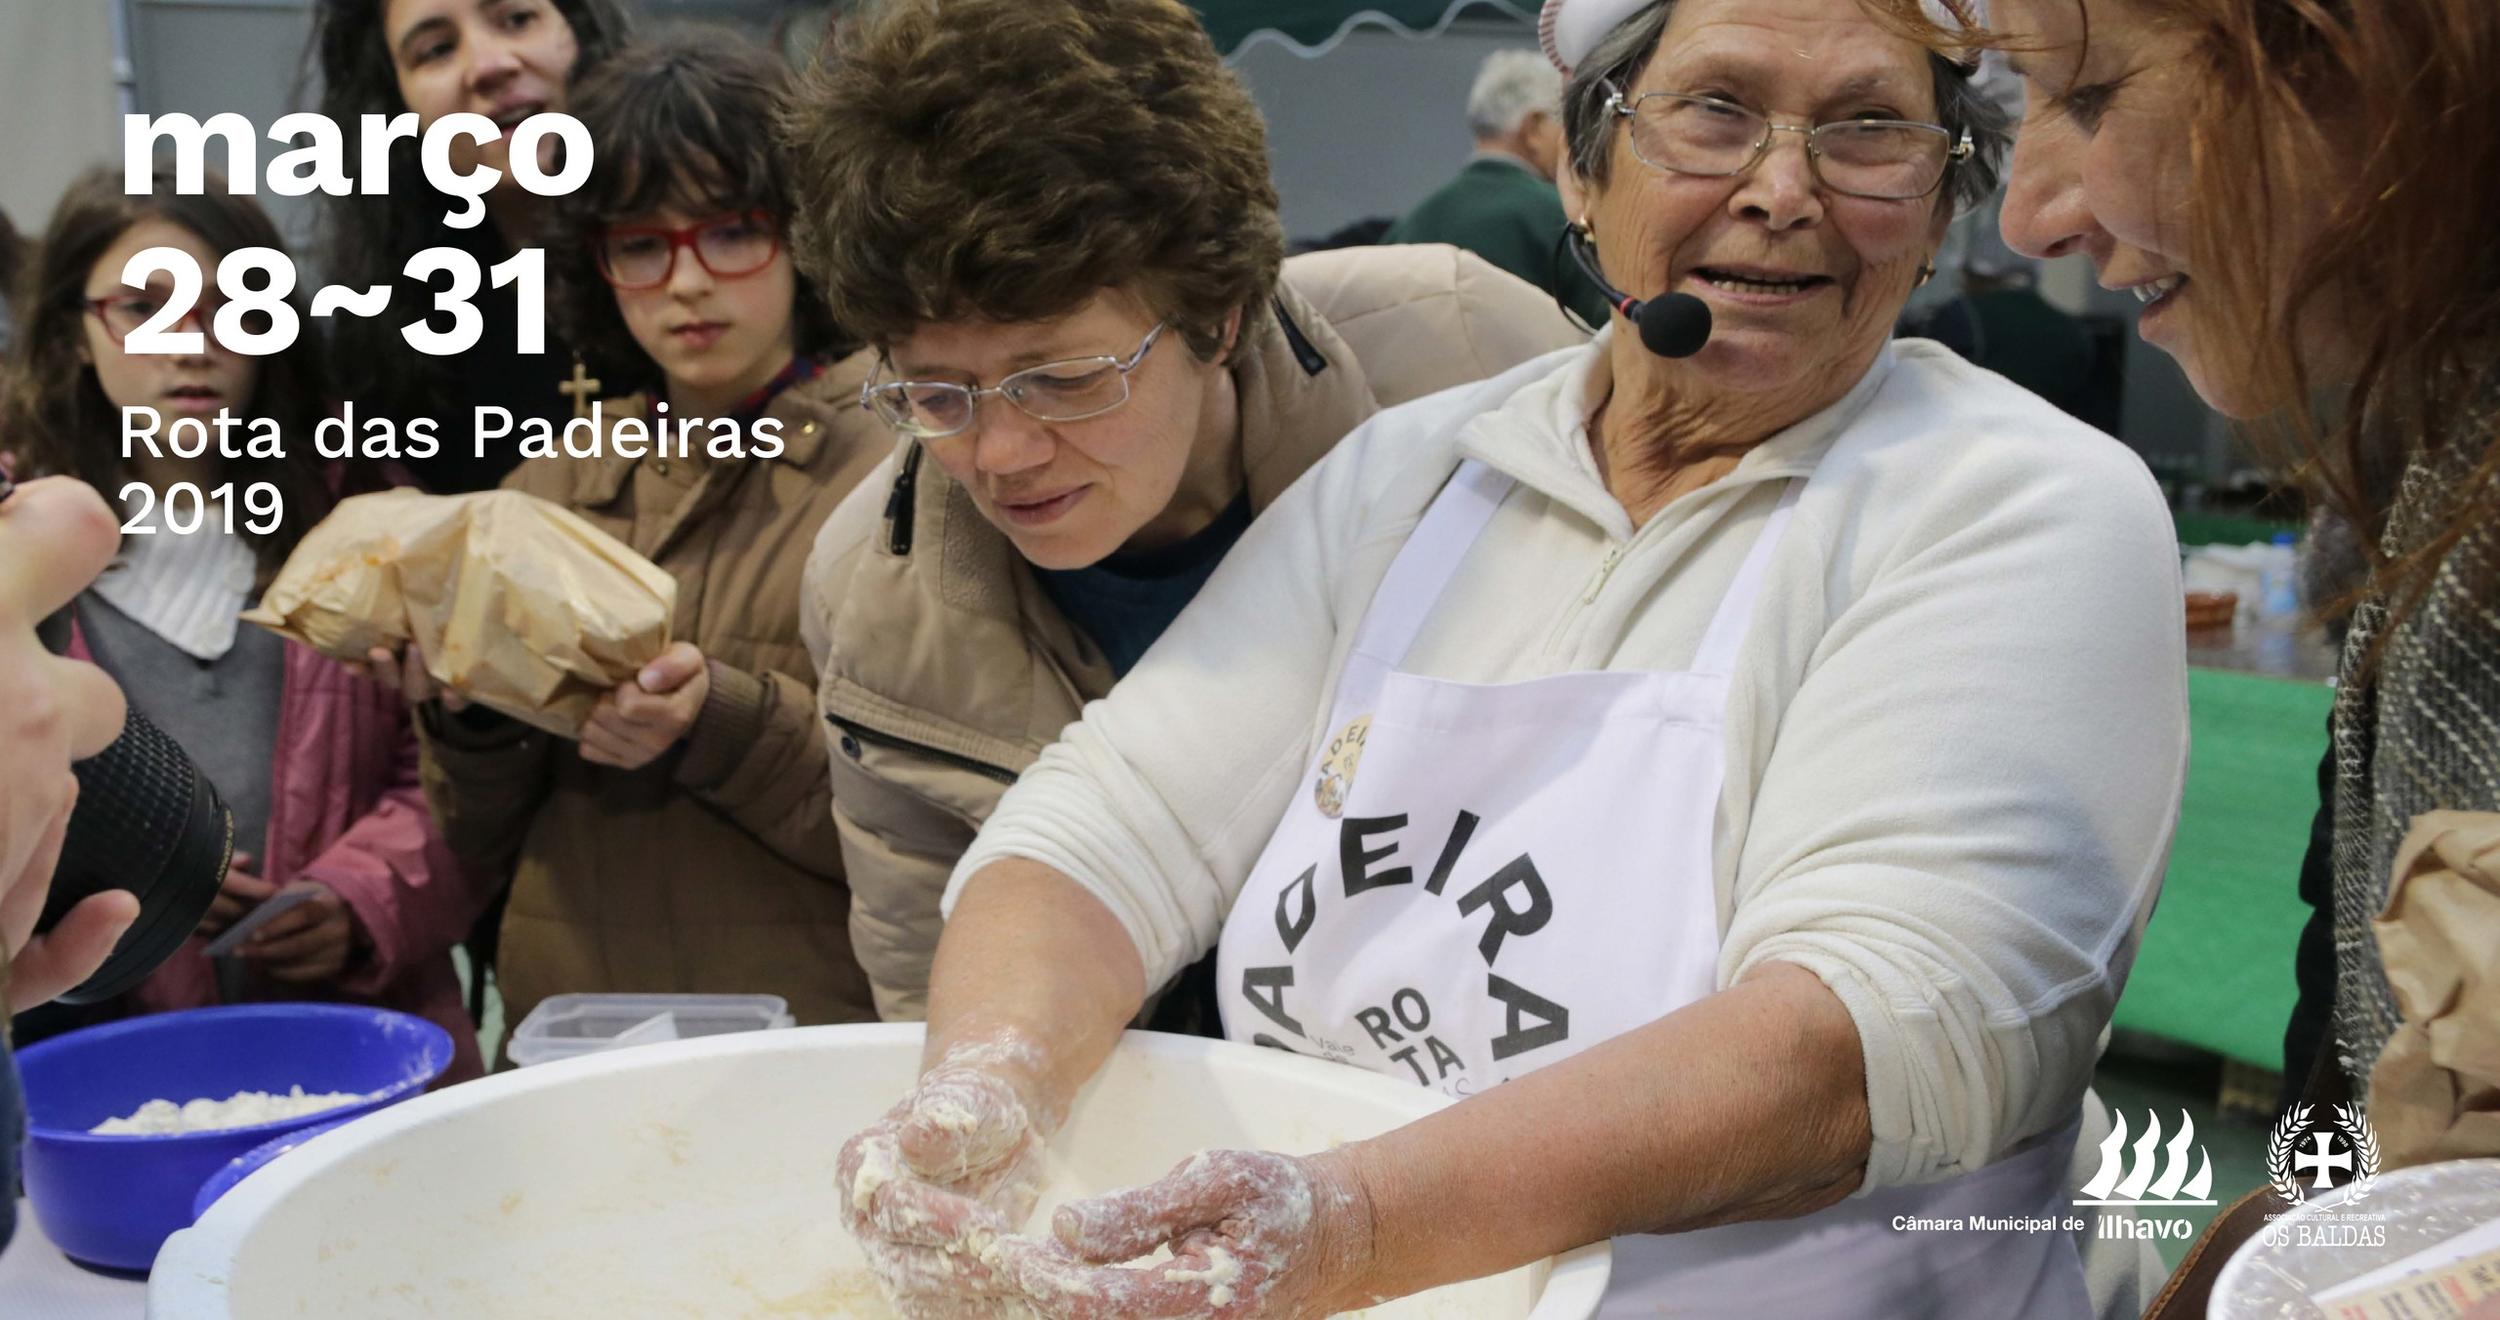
x: 112, y: 1201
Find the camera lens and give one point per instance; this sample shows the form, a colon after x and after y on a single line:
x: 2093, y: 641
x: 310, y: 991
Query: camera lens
x: 147, y: 821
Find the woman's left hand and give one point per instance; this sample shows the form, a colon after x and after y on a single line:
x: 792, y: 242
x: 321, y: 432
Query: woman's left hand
x: 641, y: 719
x: 308, y: 943
x: 1251, y: 1233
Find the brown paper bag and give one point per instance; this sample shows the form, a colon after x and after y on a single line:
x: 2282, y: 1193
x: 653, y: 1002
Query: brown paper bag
x: 2435, y: 1093
x: 516, y: 603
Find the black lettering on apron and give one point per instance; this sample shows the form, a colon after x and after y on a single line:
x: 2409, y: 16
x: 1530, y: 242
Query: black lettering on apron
x: 1375, y: 1020
x: 1518, y: 873
x: 1554, y: 1019
x: 1417, y: 1020
x: 1407, y: 1056
x: 1355, y: 862
x: 1460, y: 832
x: 1290, y: 928
x: 1273, y: 980
x: 1444, y: 1060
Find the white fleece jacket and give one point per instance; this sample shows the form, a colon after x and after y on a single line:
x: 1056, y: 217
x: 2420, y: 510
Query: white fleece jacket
x: 1956, y: 739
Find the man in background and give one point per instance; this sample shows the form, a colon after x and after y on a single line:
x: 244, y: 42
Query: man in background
x: 1503, y: 206
x: 2001, y: 322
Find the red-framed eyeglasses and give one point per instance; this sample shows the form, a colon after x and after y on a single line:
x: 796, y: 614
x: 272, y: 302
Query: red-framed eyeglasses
x: 729, y: 246
x: 121, y: 313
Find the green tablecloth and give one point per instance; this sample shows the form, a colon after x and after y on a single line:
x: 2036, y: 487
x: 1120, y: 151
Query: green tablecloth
x: 2216, y: 967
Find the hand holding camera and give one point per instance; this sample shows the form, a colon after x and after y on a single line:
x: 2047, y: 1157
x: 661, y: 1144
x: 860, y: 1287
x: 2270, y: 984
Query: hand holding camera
x: 55, y: 536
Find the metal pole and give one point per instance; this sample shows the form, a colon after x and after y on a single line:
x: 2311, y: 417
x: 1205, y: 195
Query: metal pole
x: 125, y: 64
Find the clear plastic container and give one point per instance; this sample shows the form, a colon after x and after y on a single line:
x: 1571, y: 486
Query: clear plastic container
x: 2417, y: 1219
x: 568, y: 1026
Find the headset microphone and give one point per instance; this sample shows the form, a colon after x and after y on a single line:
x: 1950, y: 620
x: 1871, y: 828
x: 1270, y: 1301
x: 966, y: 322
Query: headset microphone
x: 1672, y: 325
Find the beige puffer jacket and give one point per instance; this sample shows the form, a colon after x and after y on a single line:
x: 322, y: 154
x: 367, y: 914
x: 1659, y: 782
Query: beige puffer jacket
x: 943, y: 669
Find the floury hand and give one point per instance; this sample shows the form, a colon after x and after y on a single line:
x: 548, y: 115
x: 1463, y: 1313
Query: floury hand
x: 1251, y: 1233
x: 948, y: 1172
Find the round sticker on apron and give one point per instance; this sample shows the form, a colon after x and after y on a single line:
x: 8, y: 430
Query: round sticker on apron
x: 1336, y: 766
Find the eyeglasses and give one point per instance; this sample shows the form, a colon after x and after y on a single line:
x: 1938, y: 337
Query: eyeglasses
x: 635, y: 257
x: 1886, y: 159
x: 122, y: 313
x: 1068, y: 391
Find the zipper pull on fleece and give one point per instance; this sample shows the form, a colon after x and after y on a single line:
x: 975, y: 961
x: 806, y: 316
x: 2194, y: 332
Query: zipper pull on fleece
x: 1605, y: 569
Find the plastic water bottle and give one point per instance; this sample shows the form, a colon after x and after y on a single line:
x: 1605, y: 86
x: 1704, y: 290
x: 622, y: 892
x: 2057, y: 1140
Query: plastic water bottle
x: 2279, y: 582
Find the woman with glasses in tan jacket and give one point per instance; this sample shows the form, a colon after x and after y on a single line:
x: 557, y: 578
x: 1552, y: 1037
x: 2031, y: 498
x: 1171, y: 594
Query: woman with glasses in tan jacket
x: 1099, y: 369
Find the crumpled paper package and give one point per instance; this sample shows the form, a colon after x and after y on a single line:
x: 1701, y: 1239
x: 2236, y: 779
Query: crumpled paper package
x: 517, y: 604
x: 2435, y: 1094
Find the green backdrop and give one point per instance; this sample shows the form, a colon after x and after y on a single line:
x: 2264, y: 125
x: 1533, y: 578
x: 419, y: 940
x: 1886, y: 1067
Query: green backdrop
x: 2216, y: 966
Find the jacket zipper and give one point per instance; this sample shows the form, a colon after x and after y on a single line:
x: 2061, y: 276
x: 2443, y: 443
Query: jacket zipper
x: 1605, y: 570
x: 1305, y: 353
x: 868, y: 735
x: 1558, y: 642
x: 898, y: 504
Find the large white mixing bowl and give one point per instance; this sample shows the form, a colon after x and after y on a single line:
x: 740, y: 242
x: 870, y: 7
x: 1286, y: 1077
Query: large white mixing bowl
x: 697, y: 1180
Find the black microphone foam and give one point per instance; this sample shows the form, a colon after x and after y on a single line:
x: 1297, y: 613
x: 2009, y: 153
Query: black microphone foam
x: 1673, y: 325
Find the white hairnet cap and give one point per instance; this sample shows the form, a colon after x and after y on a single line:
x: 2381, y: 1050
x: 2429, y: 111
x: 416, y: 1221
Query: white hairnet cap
x: 1570, y: 29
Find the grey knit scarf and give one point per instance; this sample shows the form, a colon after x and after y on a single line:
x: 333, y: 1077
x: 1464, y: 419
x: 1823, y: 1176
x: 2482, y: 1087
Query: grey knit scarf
x: 2422, y: 734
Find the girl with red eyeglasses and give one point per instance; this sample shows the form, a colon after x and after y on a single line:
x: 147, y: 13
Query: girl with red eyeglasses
x: 686, y: 843
x: 318, y: 764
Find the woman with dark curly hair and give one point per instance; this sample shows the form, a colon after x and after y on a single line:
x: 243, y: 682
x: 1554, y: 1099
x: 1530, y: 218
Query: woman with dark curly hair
x: 506, y: 60
x: 691, y: 817
x: 1054, y: 223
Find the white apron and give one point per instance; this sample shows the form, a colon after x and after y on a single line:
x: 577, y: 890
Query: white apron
x: 1487, y: 879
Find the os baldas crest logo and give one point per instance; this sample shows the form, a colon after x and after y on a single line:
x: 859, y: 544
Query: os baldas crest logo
x: 2343, y: 1143
x: 2151, y: 1174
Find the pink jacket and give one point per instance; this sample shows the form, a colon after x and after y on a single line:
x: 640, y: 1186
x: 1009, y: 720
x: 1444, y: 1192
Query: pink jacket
x: 346, y: 809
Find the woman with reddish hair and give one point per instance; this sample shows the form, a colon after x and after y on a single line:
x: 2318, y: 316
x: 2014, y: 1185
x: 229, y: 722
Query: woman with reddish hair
x: 2283, y: 186
x: 2299, y: 193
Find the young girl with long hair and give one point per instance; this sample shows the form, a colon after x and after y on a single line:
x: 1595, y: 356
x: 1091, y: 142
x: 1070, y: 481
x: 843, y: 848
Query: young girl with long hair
x: 318, y: 764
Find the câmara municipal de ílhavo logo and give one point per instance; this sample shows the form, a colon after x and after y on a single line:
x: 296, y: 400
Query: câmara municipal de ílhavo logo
x: 2151, y: 1173
x: 2312, y: 1152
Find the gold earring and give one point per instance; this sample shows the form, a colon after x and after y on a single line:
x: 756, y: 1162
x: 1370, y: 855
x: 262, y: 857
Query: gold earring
x: 1926, y: 272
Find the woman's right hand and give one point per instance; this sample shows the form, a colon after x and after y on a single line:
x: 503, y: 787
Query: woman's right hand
x: 949, y: 1170
x: 404, y: 671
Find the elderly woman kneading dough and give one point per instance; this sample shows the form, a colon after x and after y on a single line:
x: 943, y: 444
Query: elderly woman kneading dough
x: 1741, y: 778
